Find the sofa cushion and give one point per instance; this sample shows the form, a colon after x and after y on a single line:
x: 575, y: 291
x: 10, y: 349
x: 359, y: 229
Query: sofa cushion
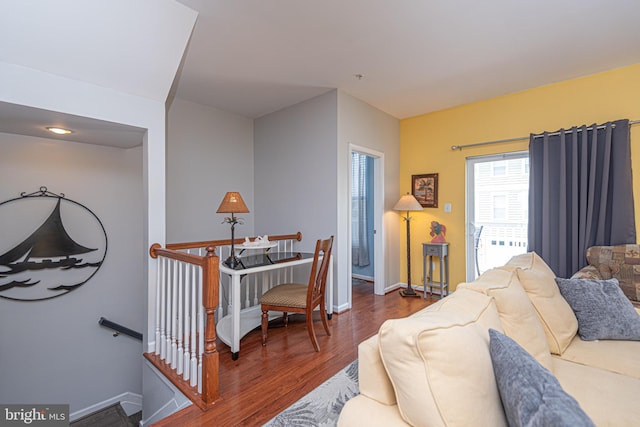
x: 602, y: 309
x: 439, y: 363
x: 518, y: 317
x: 538, y: 280
x: 608, y: 398
x: 531, y: 395
x: 611, y: 355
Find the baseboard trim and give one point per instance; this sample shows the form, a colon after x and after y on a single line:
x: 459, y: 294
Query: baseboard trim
x: 131, y: 403
x: 341, y: 308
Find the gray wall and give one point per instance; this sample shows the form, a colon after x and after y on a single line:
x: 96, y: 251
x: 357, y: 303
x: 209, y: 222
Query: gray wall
x: 209, y: 152
x: 295, y: 170
x: 291, y: 167
x: 365, y: 126
x: 54, y: 351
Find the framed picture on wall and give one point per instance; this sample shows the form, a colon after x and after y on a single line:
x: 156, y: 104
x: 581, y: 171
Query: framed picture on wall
x: 425, y: 189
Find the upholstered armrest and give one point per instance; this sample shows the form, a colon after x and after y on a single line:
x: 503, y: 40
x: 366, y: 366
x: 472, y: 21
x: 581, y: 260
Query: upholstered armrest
x: 620, y: 262
x: 372, y: 377
x: 588, y: 272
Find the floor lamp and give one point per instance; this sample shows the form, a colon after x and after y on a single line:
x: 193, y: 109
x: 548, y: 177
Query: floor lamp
x: 408, y: 203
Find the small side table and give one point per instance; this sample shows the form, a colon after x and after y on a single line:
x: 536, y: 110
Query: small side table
x: 440, y: 250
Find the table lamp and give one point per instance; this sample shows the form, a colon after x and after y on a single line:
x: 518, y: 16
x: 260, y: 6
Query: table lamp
x: 232, y: 203
x: 408, y: 203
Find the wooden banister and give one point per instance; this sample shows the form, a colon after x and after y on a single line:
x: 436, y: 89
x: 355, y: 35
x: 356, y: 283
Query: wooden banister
x: 191, y: 245
x: 210, y: 362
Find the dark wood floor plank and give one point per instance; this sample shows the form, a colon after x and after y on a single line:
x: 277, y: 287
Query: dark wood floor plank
x: 266, y: 380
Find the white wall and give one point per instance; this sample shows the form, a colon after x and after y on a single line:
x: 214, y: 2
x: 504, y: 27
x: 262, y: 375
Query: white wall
x: 209, y: 152
x: 365, y: 126
x: 54, y: 351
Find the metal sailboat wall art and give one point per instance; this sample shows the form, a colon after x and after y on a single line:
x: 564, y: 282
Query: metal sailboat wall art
x: 49, y: 262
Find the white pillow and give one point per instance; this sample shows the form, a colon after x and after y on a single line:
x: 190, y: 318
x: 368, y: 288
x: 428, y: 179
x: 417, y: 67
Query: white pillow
x: 538, y: 280
x: 517, y: 315
x: 440, y: 366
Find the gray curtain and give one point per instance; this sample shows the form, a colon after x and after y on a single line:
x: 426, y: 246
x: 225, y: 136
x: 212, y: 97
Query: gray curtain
x: 359, y: 225
x: 580, y: 193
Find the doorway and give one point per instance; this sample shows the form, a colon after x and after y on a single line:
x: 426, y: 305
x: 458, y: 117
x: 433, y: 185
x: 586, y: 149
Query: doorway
x: 497, y: 210
x: 366, y: 190
x: 362, y: 230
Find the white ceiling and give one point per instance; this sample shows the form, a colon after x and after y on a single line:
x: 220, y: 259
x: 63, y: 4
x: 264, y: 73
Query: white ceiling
x: 22, y: 120
x: 131, y: 46
x: 253, y: 57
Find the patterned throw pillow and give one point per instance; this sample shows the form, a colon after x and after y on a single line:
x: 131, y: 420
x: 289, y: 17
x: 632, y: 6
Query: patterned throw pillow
x: 602, y: 309
x: 531, y: 395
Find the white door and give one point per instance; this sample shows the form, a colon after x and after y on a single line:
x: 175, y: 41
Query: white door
x: 497, y: 210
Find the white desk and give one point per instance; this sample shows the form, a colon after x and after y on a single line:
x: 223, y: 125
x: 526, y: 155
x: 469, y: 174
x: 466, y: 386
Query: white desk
x: 232, y: 327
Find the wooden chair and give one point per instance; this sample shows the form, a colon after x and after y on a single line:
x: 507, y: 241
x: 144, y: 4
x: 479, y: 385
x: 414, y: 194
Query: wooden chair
x: 300, y: 298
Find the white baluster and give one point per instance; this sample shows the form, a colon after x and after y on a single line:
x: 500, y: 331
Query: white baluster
x: 171, y: 309
x: 194, y: 349
x: 200, y: 334
x: 159, y: 279
x: 163, y: 312
x: 179, y: 349
x: 187, y: 321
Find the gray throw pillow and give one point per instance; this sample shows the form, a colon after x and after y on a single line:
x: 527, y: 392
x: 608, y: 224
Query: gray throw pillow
x: 602, y: 309
x: 530, y: 394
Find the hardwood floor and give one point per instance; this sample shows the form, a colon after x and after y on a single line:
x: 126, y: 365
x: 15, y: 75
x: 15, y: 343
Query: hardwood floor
x: 266, y: 380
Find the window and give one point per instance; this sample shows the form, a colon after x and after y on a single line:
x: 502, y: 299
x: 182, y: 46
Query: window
x: 500, y: 206
x: 499, y: 168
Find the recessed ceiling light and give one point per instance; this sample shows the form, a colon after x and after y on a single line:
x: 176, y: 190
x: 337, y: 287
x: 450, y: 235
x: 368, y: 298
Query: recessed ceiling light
x: 59, y: 131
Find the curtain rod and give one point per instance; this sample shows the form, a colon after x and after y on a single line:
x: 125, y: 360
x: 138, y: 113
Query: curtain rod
x: 521, y: 138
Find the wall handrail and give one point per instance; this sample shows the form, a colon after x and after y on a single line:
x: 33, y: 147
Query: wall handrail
x: 119, y: 329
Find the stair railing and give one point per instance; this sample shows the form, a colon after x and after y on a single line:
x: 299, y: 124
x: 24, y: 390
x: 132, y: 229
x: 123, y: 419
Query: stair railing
x: 185, y: 330
x: 187, y: 299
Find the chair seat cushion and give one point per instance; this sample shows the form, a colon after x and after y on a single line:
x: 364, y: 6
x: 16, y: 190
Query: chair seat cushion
x: 289, y: 294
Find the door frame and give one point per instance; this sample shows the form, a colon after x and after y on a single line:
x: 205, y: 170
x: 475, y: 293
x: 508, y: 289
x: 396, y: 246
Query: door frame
x: 470, y: 162
x: 378, y: 223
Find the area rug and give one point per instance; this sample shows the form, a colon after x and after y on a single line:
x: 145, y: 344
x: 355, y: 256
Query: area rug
x: 322, y: 406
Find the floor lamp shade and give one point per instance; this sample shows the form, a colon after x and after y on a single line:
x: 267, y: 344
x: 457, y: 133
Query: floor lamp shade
x: 232, y: 203
x: 408, y: 203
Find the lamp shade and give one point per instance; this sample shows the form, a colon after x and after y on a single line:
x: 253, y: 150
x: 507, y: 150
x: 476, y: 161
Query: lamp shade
x: 408, y: 203
x: 232, y: 203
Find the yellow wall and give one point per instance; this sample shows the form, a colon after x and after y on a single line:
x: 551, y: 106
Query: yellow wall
x: 425, y: 145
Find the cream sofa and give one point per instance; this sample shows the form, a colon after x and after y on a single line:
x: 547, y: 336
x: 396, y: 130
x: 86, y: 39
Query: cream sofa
x: 434, y: 368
